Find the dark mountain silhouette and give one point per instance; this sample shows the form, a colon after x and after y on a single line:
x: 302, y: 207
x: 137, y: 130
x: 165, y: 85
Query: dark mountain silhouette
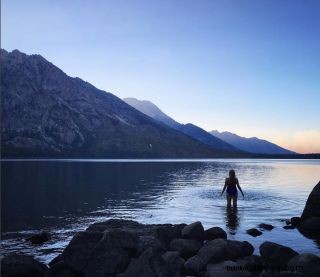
x: 46, y: 113
x: 189, y: 129
x: 253, y: 145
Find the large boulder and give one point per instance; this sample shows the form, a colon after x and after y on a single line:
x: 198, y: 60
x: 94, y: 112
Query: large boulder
x: 239, y: 249
x: 148, y: 241
x: 306, y: 264
x: 106, y: 262
x: 193, y: 231
x: 214, y: 250
x: 22, y: 265
x: 93, y: 253
x: 220, y: 249
x: 186, y: 247
x: 173, y: 260
x: 215, y: 233
x: 112, y: 254
x: 150, y: 264
x: 78, y: 251
x: 60, y: 269
x: 226, y: 269
x: 295, y: 221
x: 274, y: 254
x: 166, y: 233
x: 252, y: 262
x: 116, y: 224
x: 312, y: 207
x: 310, y: 227
x: 194, y: 266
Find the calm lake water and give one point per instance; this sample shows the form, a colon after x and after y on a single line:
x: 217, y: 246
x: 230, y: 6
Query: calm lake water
x: 65, y: 196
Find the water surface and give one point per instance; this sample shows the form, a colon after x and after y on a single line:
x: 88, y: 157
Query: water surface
x: 65, y: 196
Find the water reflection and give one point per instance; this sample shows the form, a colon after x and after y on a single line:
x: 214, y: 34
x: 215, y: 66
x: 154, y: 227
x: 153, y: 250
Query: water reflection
x: 232, y: 219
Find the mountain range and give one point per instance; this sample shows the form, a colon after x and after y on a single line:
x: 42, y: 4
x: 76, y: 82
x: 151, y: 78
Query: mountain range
x: 253, y: 145
x: 214, y: 138
x: 46, y: 113
x: 189, y: 129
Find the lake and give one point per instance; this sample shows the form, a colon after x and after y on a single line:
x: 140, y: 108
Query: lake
x: 65, y: 196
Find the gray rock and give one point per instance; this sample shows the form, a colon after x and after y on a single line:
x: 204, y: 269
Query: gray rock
x: 167, y: 232
x: 289, y: 227
x: 312, y: 207
x: 238, y: 249
x: 39, y: 238
x: 194, y: 266
x: 150, y: 264
x: 295, y: 221
x: 215, y: 233
x: 265, y: 226
x: 112, y: 253
x: 60, y: 269
x: 220, y: 249
x: 106, y: 262
x: 193, y: 231
x: 148, y: 241
x: 77, y: 253
x: 310, y: 227
x: 254, y: 232
x: 174, y: 261
x: 306, y: 264
x: 186, y: 247
x: 221, y: 270
x: 275, y: 254
x: 129, y: 225
x: 170, y: 256
x: 120, y: 238
x: 214, y: 250
x: 22, y: 265
x: 252, y: 262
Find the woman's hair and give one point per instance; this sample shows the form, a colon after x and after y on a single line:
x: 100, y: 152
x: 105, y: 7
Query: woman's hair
x: 232, y: 174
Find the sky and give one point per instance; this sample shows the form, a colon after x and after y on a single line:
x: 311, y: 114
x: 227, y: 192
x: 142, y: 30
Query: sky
x: 245, y: 66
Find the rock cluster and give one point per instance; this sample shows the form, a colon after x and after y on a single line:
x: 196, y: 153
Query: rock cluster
x: 127, y: 248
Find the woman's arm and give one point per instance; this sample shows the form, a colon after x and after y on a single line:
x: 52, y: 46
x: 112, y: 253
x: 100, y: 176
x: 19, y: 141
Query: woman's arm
x: 238, y: 185
x: 224, y: 188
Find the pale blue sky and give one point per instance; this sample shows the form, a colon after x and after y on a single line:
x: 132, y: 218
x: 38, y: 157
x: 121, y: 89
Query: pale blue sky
x: 246, y: 66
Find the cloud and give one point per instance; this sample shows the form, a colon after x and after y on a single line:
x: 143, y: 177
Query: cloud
x: 307, y: 141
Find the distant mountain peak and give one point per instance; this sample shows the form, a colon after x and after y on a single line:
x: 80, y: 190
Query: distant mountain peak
x: 252, y: 144
x: 152, y: 110
x: 189, y: 129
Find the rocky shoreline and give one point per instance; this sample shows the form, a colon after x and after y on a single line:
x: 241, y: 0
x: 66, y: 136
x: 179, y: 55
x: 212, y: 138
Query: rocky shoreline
x: 126, y: 248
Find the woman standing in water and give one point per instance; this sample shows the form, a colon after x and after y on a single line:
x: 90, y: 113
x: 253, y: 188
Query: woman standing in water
x: 231, y: 185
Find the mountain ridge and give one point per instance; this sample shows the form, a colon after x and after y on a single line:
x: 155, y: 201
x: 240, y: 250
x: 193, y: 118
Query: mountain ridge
x: 252, y: 144
x: 189, y: 129
x: 46, y: 113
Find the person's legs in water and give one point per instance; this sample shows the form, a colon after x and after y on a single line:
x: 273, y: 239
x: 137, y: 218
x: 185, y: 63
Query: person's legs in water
x: 234, y: 200
x: 229, y: 200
